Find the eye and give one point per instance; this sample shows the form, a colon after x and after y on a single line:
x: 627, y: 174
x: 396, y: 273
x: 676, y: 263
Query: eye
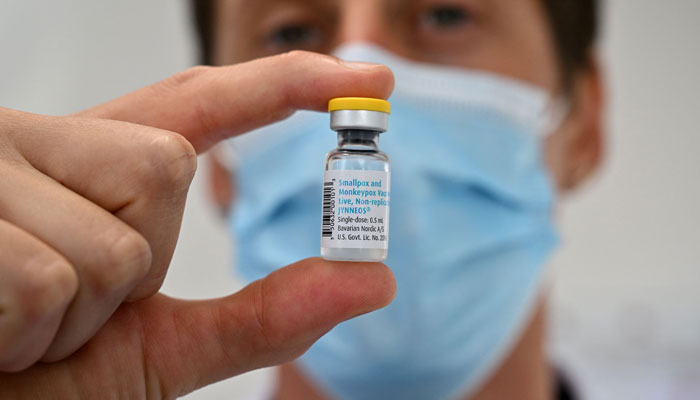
x: 445, y: 17
x: 294, y: 36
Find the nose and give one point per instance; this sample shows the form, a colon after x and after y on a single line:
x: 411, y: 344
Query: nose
x: 363, y: 21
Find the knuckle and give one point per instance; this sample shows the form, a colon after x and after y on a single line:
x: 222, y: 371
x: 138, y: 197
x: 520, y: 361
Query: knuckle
x: 299, y: 55
x: 261, y: 325
x: 174, y: 162
x: 187, y: 76
x: 125, y: 262
x: 304, y: 59
x: 48, y: 288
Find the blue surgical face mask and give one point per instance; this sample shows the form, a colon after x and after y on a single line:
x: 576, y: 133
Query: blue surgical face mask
x: 471, y: 228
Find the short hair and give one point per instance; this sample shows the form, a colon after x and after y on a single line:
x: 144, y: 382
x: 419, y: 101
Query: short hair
x: 203, y: 13
x: 573, y: 25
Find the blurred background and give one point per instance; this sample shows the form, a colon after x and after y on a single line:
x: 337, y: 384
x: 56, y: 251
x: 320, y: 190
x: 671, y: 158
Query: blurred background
x: 625, y: 309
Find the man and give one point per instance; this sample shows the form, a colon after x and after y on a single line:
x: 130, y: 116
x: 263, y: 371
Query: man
x: 471, y: 334
x: 80, y: 174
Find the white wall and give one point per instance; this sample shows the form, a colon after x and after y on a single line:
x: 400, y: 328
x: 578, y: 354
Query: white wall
x: 626, y: 309
x: 627, y: 296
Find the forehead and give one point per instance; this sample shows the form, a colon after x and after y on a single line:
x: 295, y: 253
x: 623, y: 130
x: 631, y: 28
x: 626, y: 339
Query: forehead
x: 240, y: 8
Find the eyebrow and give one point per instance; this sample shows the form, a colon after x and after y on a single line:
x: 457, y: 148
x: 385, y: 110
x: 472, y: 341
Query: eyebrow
x: 258, y: 6
x: 397, y: 8
x: 396, y: 4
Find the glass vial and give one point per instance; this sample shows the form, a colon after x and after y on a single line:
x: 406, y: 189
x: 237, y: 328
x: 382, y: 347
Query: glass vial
x: 355, y: 223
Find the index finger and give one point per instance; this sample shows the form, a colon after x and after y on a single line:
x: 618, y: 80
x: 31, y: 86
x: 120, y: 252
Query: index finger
x: 209, y: 104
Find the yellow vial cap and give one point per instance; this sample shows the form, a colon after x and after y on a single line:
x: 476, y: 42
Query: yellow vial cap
x: 359, y: 103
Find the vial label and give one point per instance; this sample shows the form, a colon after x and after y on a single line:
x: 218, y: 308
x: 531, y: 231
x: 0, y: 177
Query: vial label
x: 355, y: 209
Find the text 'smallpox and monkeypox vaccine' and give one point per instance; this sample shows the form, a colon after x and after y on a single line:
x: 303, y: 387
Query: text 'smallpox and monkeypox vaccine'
x: 356, y: 183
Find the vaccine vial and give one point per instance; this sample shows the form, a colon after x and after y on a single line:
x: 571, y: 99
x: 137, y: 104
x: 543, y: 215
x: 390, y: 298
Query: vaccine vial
x: 355, y: 224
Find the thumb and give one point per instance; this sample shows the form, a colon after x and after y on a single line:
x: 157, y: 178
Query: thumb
x: 189, y: 344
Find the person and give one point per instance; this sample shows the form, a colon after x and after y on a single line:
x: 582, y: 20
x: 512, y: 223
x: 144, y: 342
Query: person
x: 496, y: 110
x: 90, y: 209
x: 77, y: 173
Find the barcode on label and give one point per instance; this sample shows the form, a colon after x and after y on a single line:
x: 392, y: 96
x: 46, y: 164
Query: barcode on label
x: 328, y: 209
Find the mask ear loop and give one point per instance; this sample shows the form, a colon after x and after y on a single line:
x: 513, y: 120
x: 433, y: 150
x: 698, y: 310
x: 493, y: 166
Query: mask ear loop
x: 556, y: 113
x: 226, y: 154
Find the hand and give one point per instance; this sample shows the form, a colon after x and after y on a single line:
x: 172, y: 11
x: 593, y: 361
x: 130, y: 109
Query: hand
x: 164, y: 348
x: 90, y: 209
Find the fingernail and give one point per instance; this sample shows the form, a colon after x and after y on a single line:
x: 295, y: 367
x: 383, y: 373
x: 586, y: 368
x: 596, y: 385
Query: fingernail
x: 359, y: 65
